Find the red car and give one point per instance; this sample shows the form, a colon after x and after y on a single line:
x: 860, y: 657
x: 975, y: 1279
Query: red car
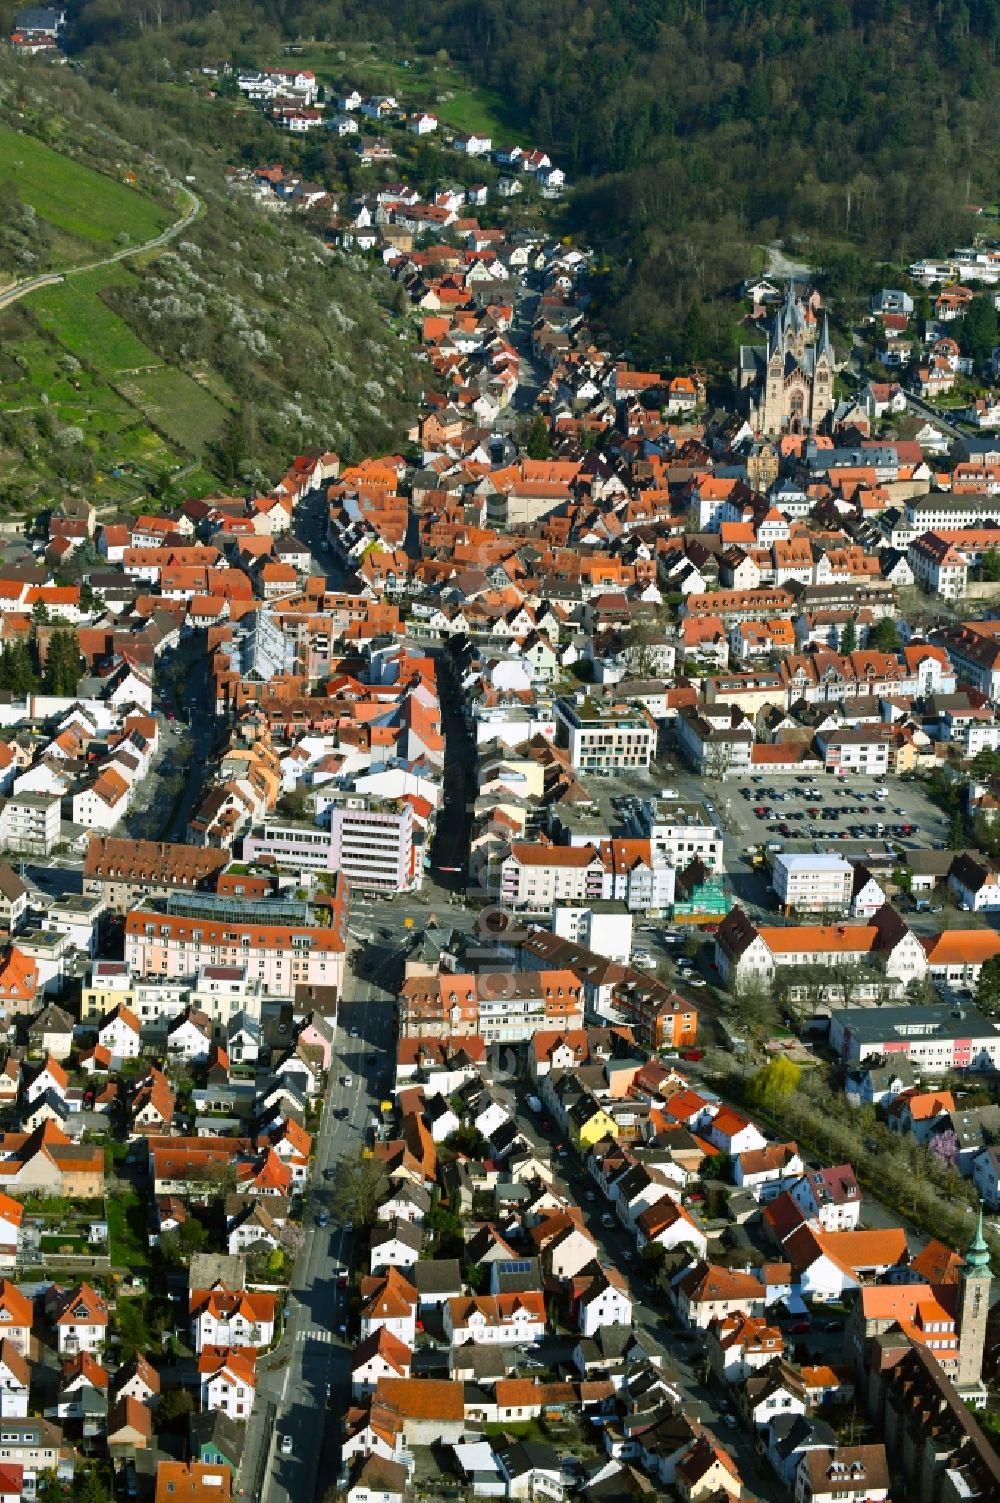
x: 799, y: 1328
x: 546, y: 1125
x: 693, y: 1055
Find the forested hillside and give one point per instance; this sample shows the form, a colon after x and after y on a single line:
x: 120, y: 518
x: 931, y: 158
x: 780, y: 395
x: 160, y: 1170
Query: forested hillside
x: 698, y: 128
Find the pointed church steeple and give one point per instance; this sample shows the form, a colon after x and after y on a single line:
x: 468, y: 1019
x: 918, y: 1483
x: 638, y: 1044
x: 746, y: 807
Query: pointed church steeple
x: 825, y: 347
x: 977, y: 1258
x: 776, y: 337
x: 792, y: 319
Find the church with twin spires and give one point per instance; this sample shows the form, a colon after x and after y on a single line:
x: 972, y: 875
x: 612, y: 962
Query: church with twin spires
x: 786, y: 386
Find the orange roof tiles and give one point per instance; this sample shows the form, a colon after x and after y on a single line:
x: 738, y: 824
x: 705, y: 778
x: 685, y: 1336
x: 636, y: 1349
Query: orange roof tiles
x: 424, y: 1398
x: 962, y: 946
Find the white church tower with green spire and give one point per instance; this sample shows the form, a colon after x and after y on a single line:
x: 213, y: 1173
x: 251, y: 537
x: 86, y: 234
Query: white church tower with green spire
x: 974, y: 1288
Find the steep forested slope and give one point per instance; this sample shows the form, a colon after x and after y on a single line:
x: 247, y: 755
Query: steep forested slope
x: 696, y: 128
x: 706, y: 126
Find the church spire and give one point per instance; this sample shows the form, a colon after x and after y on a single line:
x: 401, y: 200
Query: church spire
x: 977, y: 1259
x: 825, y: 347
x: 776, y: 337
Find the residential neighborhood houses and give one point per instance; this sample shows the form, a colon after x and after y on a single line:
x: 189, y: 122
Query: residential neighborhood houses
x: 500, y: 978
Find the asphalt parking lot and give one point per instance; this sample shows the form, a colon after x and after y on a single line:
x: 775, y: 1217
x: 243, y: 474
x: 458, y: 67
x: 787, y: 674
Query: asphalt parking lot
x: 854, y: 816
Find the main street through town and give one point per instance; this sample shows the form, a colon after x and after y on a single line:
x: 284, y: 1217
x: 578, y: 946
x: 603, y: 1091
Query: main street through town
x: 305, y: 1384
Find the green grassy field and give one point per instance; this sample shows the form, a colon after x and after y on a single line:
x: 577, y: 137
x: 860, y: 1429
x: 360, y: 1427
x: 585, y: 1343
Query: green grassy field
x: 474, y: 109
x: 73, y: 312
x: 176, y: 405
x: 88, y: 209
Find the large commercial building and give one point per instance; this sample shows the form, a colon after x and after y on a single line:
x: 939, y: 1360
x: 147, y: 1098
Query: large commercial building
x: 679, y: 831
x: 370, y: 840
x: 125, y: 872
x: 614, y: 738
x: 372, y: 844
x: 934, y: 1039
x: 813, y: 883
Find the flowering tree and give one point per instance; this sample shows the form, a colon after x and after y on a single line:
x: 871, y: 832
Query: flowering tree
x: 291, y: 1237
x: 944, y: 1146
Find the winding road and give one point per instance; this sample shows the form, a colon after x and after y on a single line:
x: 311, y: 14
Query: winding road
x: 48, y: 279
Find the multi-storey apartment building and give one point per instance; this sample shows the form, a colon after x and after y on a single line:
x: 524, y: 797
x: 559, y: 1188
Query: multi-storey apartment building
x: 127, y: 871
x: 30, y: 822
x: 536, y: 877
x: 501, y: 1007
x: 658, y: 1016
x: 939, y: 566
x: 281, y: 943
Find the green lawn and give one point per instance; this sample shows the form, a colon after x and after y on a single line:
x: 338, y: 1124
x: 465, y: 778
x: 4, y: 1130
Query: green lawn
x: 69, y: 1244
x: 74, y: 314
x: 129, y: 1247
x: 177, y: 406
x: 85, y: 206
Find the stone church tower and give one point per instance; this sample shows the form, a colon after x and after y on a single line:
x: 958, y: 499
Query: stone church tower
x: 975, y: 1284
x: 788, y: 385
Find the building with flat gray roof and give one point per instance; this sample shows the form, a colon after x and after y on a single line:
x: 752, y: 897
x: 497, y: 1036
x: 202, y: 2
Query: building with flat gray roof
x: 814, y: 882
x: 934, y: 1039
